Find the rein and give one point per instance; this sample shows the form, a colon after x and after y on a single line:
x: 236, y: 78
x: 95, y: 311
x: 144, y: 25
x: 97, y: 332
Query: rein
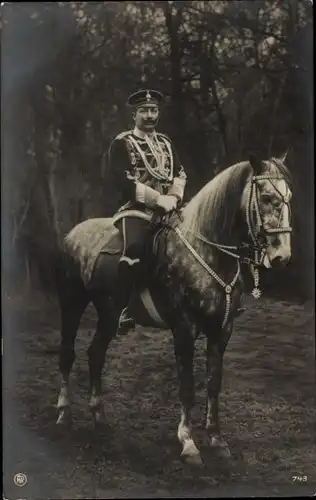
x: 227, y: 287
x: 227, y: 249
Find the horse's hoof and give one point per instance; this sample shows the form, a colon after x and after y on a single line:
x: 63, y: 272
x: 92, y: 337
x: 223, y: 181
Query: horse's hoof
x: 223, y: 452
x: 220, y: 447
x: 98, y: 417
x: 64, y: 418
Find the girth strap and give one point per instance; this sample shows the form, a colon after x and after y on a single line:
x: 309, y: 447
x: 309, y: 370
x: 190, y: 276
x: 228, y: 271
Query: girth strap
x: 151, y: 308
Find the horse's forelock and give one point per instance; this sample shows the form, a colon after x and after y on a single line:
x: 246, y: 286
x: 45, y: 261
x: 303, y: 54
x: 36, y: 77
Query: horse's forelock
x: 277, y: 167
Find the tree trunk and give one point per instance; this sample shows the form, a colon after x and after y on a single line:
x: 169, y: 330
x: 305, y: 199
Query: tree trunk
x: 43, y: 158
x: 173, y: 23
x: 27, y: 267
x: 221, y: 118
x: 51, y: 181
x: 273, y: 115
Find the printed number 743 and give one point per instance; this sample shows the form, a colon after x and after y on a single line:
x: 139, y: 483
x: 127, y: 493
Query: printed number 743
x: 300, y: 479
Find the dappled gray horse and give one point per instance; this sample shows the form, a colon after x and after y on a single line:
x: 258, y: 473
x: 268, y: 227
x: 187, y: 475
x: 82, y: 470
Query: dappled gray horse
x: 193, y: 287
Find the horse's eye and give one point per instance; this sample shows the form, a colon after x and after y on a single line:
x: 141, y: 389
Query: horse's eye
x: 277, y: 203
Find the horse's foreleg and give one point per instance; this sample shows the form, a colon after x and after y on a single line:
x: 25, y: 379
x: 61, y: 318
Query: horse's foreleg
x: 184, y: 352
x: 214, y: 368
x: 71, y: 312
x: 63, y: 404
x: 106, y: 329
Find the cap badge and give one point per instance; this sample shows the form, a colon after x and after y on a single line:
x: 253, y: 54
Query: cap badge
x: 148, y: 96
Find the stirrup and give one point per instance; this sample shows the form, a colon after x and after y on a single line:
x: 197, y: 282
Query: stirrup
x: 124, y: 323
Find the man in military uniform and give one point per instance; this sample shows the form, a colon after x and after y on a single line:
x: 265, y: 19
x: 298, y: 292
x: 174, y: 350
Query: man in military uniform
x: 150, y: 178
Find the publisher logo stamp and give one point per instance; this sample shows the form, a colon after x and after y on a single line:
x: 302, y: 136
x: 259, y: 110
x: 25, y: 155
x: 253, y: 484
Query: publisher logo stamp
x: 20, y: 479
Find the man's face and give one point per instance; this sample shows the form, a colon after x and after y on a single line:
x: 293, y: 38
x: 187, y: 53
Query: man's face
x: 146, y: 117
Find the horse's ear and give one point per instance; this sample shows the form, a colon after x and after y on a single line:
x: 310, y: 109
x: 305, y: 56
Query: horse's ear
x: 255, y: 163
x: 282, y: 158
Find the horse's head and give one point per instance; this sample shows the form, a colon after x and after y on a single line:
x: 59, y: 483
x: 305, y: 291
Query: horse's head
x: 266, y: 202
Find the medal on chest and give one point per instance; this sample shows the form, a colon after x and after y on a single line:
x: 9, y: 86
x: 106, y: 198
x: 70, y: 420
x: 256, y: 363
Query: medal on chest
x: 161, y: 166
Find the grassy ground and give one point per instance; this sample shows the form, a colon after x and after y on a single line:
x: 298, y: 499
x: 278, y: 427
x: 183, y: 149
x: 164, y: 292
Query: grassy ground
x: 267, y: 411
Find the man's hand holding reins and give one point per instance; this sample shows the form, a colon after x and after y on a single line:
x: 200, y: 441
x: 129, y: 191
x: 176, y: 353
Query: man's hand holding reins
x: 167, y: 202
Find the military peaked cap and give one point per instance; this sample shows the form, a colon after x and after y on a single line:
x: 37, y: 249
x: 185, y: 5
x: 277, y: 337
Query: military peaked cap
x: 145, y: 97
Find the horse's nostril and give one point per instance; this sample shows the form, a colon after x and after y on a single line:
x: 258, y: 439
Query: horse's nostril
x: 280, y: 261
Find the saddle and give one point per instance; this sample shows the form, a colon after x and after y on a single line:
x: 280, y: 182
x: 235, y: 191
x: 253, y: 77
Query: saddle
x: 116, y: 242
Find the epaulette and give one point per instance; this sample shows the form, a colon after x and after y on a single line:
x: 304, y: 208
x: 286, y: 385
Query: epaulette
x: 123, y: 134
x: 164, y: 135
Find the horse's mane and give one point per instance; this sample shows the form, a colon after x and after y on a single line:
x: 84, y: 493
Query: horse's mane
x: 212, y: 211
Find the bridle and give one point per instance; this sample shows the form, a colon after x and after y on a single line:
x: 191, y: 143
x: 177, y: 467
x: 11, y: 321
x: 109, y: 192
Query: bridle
x: 256, y: 229
x: 257, y: 233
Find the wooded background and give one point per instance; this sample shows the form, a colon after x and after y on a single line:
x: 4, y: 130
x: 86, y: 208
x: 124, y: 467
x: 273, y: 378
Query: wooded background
x: 237, y: 76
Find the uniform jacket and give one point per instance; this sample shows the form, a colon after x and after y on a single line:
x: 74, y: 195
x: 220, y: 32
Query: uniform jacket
x: 142, y: 170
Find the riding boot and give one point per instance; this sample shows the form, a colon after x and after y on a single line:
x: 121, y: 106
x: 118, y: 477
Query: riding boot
x: 127, y: 281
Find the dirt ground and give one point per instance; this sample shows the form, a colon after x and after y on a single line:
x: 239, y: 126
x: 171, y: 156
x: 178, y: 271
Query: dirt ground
x: 267, y: 410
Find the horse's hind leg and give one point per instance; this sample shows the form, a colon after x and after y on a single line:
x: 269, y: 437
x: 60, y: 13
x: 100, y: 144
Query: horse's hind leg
x: 184, y: 351
x: 214, y: 369
x: 106, y: 330
x: 73, y: 304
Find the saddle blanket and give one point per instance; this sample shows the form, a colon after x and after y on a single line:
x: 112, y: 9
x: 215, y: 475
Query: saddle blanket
x: 88, y: 239
x: 91, y: 237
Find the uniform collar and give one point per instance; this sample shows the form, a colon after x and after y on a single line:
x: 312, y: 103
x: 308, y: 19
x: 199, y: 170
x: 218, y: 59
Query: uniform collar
x: 140, y: 133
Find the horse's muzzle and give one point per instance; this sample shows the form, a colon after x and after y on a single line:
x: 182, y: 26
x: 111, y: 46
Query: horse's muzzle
x: 280, y: 260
